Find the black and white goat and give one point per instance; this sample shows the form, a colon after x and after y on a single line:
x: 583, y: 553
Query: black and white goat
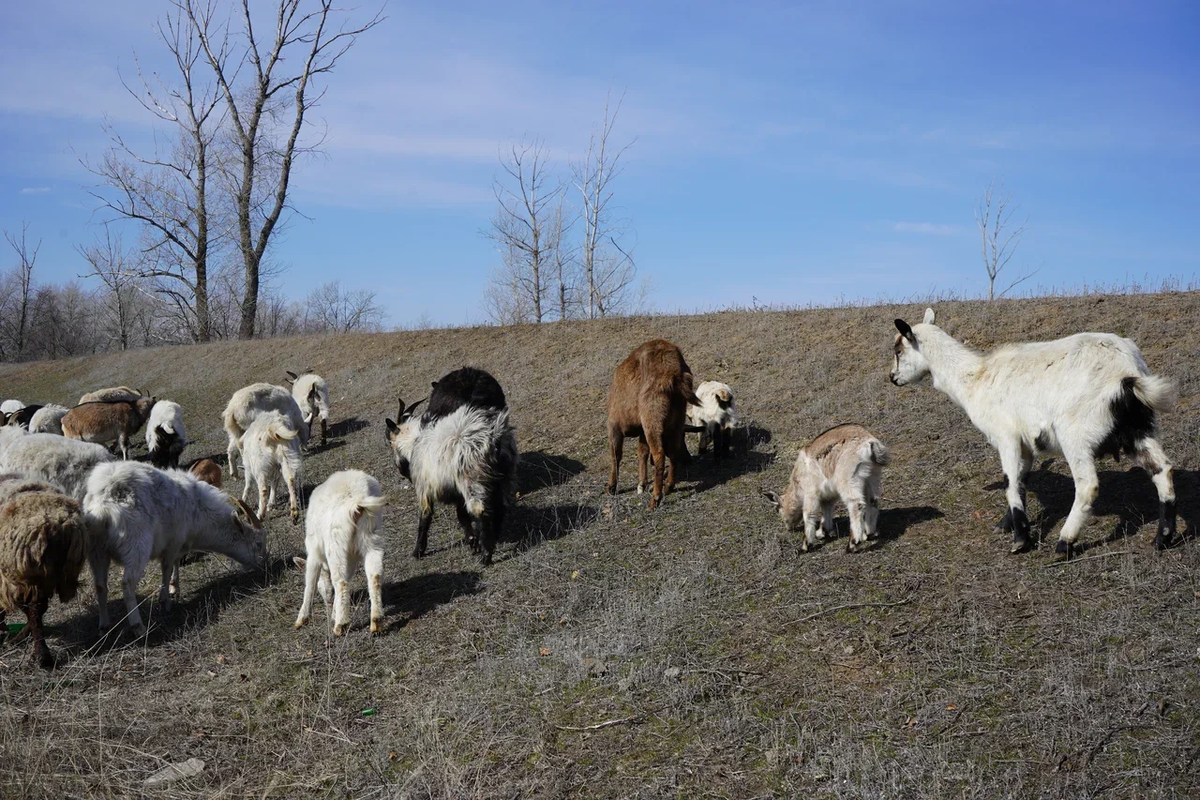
x: 1084, y: 396
x: 463, y: 451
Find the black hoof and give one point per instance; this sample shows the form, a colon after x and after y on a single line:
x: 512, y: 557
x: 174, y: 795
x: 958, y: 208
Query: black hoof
x: 1162, y: 541
x: 47, y: 660
x: 1065, y: 548
x: 1004, y: 524
x: 486, y: 559
x: 418, y: 552
x: 1019, y: 546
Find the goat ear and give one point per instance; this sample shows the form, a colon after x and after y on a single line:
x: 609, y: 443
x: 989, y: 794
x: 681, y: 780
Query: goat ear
x: 392, y: 427
x: 299, y: 562
x: 929, y: 316
x: 433, y: 385
x: 904, y: 329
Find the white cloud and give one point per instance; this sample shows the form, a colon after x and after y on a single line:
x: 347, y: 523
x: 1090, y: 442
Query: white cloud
x: 928, y: 228
x: 35, y: 190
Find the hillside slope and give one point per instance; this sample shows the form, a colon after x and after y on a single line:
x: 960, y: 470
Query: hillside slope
x: 694, y: 650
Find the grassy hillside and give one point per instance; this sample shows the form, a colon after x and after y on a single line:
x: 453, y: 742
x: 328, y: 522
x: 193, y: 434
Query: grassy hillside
x: 691, y: 651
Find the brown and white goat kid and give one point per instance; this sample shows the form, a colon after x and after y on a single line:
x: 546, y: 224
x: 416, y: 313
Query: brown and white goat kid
x: 844, y: 463
x: 1083, y: 396
x: 648, y: 399
x: 104, y: 422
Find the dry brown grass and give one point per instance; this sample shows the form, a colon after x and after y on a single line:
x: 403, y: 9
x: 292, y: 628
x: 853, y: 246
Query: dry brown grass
x: 693, y: 630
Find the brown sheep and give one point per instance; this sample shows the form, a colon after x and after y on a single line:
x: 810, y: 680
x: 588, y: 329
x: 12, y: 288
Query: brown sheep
x: 648, y: 399
x: 43, y: 546
x: 105, y: 422
x: 207, y: 470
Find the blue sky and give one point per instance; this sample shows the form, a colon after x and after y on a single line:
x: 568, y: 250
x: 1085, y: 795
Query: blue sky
x: 790, y: 152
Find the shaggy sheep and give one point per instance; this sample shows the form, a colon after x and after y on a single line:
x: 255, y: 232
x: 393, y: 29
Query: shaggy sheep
x: 342, y: 533
x: 48, y: 419
x: 844, y: 463
x: 1083, y: 396
x: 43, y: 545
x: 246, y: 404
x: 64, y: 463
x: 165, y: 434
x: 137, y: 512
x: 648, y: 398
x: 271, y: 450
x: 103, y: 422
x: 114, y: 394
x: 468, y: 457
x: 311, y: 393
x: 714, y: 418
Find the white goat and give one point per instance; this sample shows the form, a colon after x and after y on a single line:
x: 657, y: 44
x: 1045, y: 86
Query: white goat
x: 843, y: 463
x: 247, y: 403
x: 166, y: 437
x: 65, y: 463
x: 714, y: 417
x: 137, y: 512
x: 311, y: 393
x: 1084, y: 396
x: 48, y: 419
x: 271, y: 450
x: 343, y: 521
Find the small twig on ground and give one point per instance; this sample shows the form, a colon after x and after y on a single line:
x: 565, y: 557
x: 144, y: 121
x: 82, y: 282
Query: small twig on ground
x: 1088, y: 558
x: 846, y: 607
x: 606, y: 724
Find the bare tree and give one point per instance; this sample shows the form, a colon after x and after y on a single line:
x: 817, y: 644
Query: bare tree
x: 170, y: 191
x: 336, y: 310
x: 254, y: 78
x: 999, y: 235
x: 122, y: 299
x: 521, y: 231
x: 26, y: 258
x: 608, y: 268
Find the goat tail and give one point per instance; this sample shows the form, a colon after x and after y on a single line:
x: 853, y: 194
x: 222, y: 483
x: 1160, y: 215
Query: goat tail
x: 280, y: 432
x: 1157, y: 393
x: 687, y: 387
x: 367, y: 508
x: 231, y: 426
x: 875, y: 451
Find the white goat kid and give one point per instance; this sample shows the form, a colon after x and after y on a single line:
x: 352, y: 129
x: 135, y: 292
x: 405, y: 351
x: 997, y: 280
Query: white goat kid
x: 271, y: 450
x: 344, y: 517
x: 1083, y: 396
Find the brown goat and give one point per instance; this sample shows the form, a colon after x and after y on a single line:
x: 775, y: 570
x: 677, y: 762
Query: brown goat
x: 207, y: 470
x: 648, y: 399
x: 105, y: 422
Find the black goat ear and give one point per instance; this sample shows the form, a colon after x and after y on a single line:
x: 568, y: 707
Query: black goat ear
x: 391, y: 426
x: 905, y: 329
x: 291, y: 374
x: 433, y: 385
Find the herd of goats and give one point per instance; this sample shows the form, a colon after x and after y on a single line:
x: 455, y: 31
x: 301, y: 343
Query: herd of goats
x: 66, y: 498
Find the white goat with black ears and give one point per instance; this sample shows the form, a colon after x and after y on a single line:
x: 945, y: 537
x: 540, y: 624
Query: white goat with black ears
x: 1084, y: 396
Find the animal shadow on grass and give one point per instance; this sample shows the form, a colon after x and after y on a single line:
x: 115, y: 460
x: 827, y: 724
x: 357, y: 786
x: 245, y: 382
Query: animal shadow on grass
x: 199, y: 608
x: 893, y: 523
x: 530, y: 526
x: 743, y: 458
x: 539, y: 470
x: 1128, y: 494
x: 410, y: 599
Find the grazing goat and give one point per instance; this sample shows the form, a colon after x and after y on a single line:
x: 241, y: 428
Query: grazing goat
x: 468, y: 457
x: 844, y: 463
x: 48, y: 419
x: 42, y: 550
x: 648, y: 399
x: 63, y: 463
x: 342, y: 533
x: 271, y: 450
x: 122, y: 394
x: 714, y: 418
x: 207, y: 470
x: 103, y: 422
x: 246, y: 404
x: 1084, y: 396
x: 22, y: 417
x: 137, y: 512
x: 468, y: 386
x: 311, y: 393
x: 11, y: 407
x: 165, y: 435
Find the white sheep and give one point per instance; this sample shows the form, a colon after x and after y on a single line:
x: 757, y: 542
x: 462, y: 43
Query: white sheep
x: 311, y: 393
x: 137, y: 512
x: 714, y: 417
x: 48, y: 419
x: 271, y: 450
x: 343, y: 522
x: 166, y: 436
x: 65, y: 463
x: 250, y: 401
x: 844, y: 463
x: 1083, y: 396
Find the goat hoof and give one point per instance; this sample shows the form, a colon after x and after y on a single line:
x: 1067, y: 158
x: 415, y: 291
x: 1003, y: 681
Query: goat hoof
x: 375, y: 626
x: 418, y: 553
x: 821, y: 534
x: 139, y: 630
x: 641, y: 488
x: 46, y: 660
x: 1065, y: 548
x: 1004, y: 524
x: 339, y: 630
x: 1019, y: 546
x: 1161, y: 542
x: 610, y: 488
x: 300, y: 623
